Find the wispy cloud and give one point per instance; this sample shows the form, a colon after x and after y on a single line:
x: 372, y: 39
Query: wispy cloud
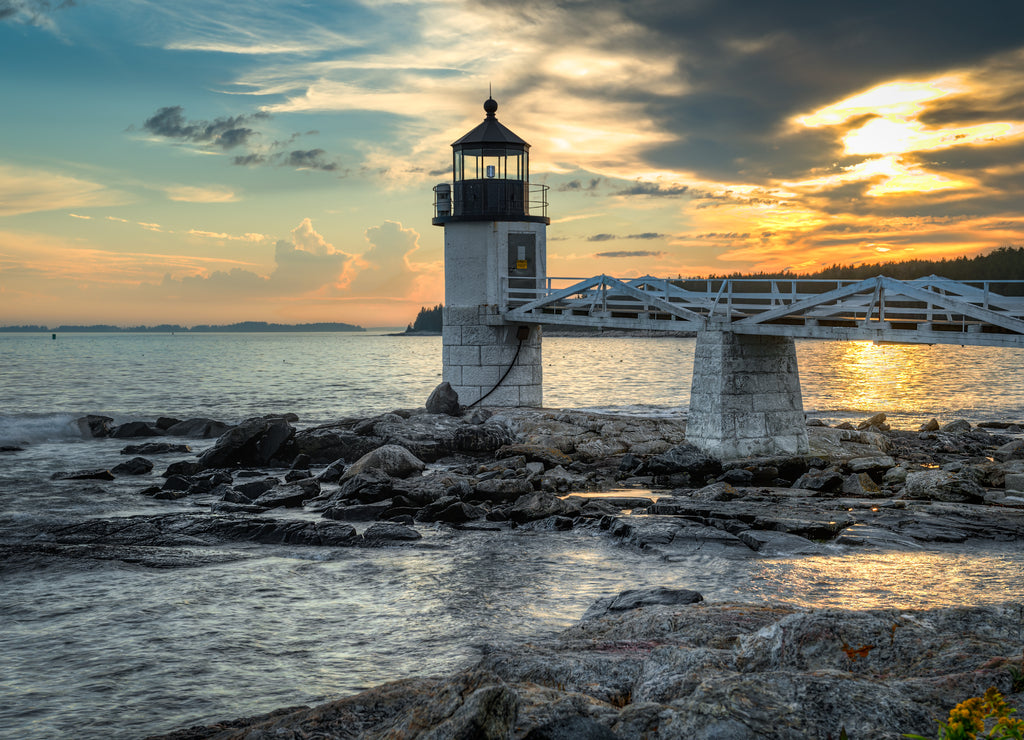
x: 25, y: 190
x: 201, y: 194
x: 638, y: 253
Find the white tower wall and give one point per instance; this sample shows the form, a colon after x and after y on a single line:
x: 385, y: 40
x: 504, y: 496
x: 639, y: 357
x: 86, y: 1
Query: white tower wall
x: 479, y: 349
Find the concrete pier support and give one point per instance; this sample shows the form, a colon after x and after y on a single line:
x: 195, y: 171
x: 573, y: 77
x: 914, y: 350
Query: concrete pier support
x: 476, y: 356
x: 745, y: 398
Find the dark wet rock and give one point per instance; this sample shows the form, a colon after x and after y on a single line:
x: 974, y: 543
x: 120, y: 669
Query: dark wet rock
x: 165, y: 422
x: 877, y: 464
x: 718, y: 491
x: 198, y: 428
x: 444, y: 400
x: 1010, y: 451
x: 382, y: 533
x: 357, y: 512
x: 392, y: 460
x: 826, y: 481
x: 255, y: 488
x: 550, y: 456
x: 859, y: 484
x: 329, y: 443
x: 292, y: 495
x: 301, y: 462
x: 333, y: 472
x: 932, y: 425
x: 11, y: 448
x: 959, y: 426
x: 636, y: 598
x: 774, y: 544
x: 541, y: 505
x: 254, y: 442
x: 683, y: 459
x: 875, y: 423
x: 95, y: 474
x: 501, y: 490
x: 481, y: 438
x: 177, y: 483
x: 941, y: 485
x: 155, y: 448
x: 572, y: 728
x: 133, y: 429
x: 95, y: 426
x: 737, y: 476
x: 366, y: 488
x: 183, y: 467
x: 135, y: 466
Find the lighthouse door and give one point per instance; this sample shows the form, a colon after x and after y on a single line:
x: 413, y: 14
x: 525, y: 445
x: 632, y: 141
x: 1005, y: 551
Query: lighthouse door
x: 522, y: 266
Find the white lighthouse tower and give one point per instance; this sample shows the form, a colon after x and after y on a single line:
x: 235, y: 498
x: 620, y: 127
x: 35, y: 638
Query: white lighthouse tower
x: 493, y: 247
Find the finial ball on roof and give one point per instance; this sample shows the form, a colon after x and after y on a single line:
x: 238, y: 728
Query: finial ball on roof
x: 490, y: 106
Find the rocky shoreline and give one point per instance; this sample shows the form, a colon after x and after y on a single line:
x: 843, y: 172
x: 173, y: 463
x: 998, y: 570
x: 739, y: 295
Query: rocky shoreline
x: 652, y: 664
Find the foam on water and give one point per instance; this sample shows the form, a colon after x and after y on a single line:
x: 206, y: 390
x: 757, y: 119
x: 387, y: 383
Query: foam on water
x: 29, y: 429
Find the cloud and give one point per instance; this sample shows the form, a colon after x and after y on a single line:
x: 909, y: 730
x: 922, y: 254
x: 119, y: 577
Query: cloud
x: 222, y: 133
x: 578, y: 186
x: 248, y: 237
x: 653, y: 189
x: 609, y: 237
x: 630, y: 254
x: 227, y: 134
x: 601, y: 237
x: 201, y: 194
x: 24, y: 190
x: 33, y: 12
x: 313, y: 159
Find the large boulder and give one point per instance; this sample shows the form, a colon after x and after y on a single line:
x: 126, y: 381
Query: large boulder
x: 392, y: 460
x: 326, y: 444
x: 683, y: 458
x: 132, y: 429
x: 444, y: 400
x: 541, y: 505
x: 481, y: 438
x: 95, y: 426
x: 254, y: 443
x: 197, y: 428
x: 942, y: 485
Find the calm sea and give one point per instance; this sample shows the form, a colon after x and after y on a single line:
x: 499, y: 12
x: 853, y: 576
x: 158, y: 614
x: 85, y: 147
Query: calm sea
x: 95, y: 648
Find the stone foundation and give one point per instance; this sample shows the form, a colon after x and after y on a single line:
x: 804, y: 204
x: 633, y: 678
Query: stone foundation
x: 476, y: 355
x: 745, y: 399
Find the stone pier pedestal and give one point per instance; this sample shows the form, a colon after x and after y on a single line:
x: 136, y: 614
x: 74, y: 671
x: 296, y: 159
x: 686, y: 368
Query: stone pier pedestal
x: 745, y: 399
x: 476, y: 355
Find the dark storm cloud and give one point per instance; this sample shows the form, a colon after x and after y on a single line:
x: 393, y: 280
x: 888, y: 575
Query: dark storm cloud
x: 235, y: 132
x: 629, y: 254
x: 651, y: 188
x: 748, y: 67
x: 578, y: 186
x: 312, y: 159
x: 224, y: 133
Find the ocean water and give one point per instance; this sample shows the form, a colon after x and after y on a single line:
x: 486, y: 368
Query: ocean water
x: 107, y: 648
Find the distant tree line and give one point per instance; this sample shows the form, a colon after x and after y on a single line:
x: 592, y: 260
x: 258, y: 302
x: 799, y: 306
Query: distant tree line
x: 428, y: 320
x: 1004, y: 263
x: 243, y: 326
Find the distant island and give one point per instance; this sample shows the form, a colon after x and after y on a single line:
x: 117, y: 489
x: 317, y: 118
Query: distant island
x: 242, y: 326
x: 428, y: 321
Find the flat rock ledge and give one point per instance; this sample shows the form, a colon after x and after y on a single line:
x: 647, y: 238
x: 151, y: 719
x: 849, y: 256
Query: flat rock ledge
x: 683, y: 668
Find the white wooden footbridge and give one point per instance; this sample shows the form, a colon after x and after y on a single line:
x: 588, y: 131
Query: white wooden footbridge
x: 745, y: 394
x: 931, y: 310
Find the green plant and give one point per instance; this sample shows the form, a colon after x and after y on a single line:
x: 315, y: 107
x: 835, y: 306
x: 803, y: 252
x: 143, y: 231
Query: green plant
x: 967, y: 720
x: 1017, y: 679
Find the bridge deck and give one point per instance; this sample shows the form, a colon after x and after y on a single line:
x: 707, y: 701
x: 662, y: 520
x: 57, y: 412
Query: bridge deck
x: 931, y: 310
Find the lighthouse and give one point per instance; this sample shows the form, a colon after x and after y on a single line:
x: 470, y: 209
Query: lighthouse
x: 495, y: 251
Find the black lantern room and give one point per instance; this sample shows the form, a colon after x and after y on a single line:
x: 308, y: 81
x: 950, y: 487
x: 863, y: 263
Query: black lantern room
x: 490, y: 178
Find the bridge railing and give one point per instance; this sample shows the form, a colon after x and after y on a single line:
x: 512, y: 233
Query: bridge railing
x: 928, y: 304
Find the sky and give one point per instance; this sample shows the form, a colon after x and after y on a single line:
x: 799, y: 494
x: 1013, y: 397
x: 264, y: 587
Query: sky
x: 210, y: 162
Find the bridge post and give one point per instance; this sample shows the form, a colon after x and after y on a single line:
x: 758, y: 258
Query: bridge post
x: 745, y: 397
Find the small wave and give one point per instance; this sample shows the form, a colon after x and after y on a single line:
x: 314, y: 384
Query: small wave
x: 29, y: 428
